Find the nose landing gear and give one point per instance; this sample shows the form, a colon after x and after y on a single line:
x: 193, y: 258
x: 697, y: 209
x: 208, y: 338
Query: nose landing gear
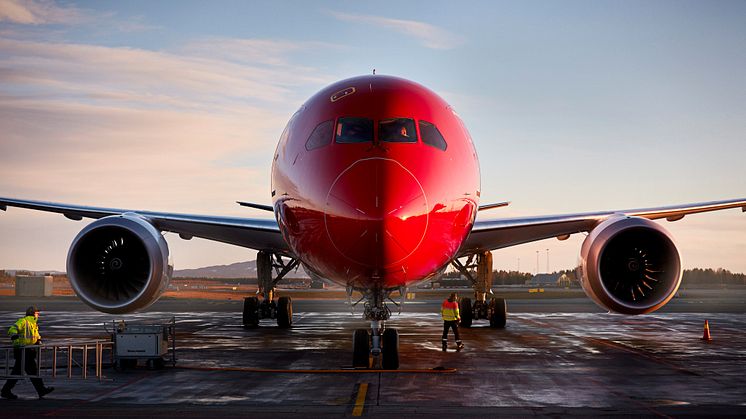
x: 378, y: 346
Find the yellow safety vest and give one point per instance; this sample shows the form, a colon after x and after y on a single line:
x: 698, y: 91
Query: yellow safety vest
x: 449, y: 311
x: 27, y: 331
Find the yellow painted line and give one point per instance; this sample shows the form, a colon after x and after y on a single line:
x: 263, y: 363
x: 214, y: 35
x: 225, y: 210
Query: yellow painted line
x: 362, y: 391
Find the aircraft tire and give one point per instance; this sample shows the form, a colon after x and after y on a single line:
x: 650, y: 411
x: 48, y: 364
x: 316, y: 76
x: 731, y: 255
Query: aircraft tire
x: 361, y: 349
x: 284, y: 312
x: 498, y: 313
x: 390, y: 349
x: 251, y: 312
x: 466, y: 311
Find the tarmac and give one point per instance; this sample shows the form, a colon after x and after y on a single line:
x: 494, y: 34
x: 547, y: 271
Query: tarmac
x: 565, y: 358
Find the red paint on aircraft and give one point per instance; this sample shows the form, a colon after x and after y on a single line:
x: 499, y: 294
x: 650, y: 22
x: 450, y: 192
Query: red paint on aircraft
x: 364, y: 189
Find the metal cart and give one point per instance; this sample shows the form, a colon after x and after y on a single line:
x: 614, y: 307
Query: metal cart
x: 154, y: 343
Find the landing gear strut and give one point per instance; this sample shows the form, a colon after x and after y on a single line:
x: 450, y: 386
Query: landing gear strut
x: 496, y: 309
x: 263, y: 305
x: 379, y: 344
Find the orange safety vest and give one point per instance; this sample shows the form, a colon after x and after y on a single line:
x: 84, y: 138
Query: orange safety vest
x: 449, y: 311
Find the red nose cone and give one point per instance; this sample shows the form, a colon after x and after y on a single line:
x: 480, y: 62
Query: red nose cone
x: 376, y: 212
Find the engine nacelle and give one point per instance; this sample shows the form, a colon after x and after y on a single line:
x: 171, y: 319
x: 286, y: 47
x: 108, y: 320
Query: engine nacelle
x: 119, y: 264
x: 630, y: 265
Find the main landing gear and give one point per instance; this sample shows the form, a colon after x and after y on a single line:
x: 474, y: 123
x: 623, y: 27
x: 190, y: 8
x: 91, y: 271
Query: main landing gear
x: 263, y: 305
x: 495, y: 310
x: 377, y: 345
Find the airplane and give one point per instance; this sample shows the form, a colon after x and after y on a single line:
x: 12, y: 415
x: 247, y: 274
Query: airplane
x: 375, y: 186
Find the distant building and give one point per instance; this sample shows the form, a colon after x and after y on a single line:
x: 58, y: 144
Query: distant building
x: 446, y: 281
x: 451, y: 282
x: 318, y: 284
x: 295, y: 283
x: 543, y: 280
x: 550, y: 280
x: 564, y: 281
x: 34, y: 286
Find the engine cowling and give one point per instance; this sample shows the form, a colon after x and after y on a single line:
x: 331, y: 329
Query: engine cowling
x: 630, y: 265
x: 119, y: 264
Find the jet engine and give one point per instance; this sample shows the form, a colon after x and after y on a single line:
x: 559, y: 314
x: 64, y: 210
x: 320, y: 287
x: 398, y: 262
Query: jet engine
x: 630, y: 265
x: 119, y: 264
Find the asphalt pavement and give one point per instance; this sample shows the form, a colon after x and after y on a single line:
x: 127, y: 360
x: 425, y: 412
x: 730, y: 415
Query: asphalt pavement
x: 566, y: 357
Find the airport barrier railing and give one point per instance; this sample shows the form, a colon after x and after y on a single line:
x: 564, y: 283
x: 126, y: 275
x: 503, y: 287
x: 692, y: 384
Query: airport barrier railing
x: 69, y: 360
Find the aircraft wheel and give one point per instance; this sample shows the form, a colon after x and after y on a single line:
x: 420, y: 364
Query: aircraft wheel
x: 361, y: 349
x: 251, y: 312
x: 467, y: 314
x: 390, y: 350
x: 284, y: 312
x: 498, y: 313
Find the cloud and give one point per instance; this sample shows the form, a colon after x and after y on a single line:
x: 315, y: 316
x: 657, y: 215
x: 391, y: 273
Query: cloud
x: 430, y: 36
x: 32, y: 18
x: 113, y: 155
x: 131, y: 24
x: 191, y: 129
x: 270, y: 52
x: 188, y: 130
x: 39, y: 12
x: 146, y: 78
x: 181, y: 131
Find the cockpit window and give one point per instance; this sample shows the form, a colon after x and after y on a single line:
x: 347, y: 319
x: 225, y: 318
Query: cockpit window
x: 321, y: 135
x: 354, y: 130
x: 431, y: 136
x: 397, y: 130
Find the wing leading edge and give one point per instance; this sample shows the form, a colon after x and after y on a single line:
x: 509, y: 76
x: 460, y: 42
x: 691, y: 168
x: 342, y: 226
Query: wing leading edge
x: 264, y: 234
x: 500, y: 233
x: 253, y: 233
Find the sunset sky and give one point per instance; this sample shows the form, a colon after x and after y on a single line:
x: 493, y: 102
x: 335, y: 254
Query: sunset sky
x: 574, y: 106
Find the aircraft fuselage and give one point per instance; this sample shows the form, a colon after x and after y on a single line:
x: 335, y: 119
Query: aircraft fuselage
x: 375, y: 182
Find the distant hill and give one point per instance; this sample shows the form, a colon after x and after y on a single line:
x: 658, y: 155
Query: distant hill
x: 234, y: 270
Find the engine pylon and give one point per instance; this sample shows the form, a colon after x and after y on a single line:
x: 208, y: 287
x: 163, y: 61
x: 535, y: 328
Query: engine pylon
x: 706, y: 336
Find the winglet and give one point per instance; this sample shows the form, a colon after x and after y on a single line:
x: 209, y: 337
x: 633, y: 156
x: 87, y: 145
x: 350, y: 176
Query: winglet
x: 257, y: 206
x: 491, y: 206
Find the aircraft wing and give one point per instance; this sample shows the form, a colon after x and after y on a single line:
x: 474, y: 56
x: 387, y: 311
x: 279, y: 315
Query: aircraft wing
x: 254, y: 233
x: 500, y: 233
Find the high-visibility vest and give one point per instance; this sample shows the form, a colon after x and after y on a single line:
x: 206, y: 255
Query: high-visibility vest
x: 27, y: 331
x: 449, y: 311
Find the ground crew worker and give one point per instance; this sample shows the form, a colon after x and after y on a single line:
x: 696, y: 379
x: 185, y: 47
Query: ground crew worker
x: 451, y: 318
x: 25, y: 332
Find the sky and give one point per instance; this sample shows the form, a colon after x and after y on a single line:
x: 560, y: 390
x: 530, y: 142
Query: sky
x: 573, y: 106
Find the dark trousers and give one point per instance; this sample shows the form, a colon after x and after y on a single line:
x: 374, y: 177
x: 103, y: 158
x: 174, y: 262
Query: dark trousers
x: 31, y: 369
x: 450, y: 324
